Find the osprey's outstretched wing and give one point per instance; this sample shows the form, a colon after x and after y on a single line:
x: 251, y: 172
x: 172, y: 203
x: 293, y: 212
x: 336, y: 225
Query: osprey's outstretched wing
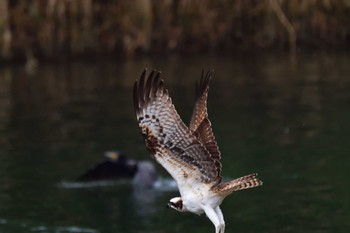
x: 169, y: 140
x: 200, y: 124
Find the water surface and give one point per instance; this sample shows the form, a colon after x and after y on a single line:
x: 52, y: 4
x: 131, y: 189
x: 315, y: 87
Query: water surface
x: 288, y: 121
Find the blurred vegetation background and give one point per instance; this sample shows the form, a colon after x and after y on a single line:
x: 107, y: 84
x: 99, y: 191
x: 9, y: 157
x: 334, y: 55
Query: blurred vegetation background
x: 74, y: 29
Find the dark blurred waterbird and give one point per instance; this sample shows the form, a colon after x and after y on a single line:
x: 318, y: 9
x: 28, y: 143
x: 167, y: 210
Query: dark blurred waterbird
x: 117, y: 166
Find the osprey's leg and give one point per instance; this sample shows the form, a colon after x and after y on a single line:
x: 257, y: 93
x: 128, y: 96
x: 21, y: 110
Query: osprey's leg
x: 214, y: 218
x: 221, y: 218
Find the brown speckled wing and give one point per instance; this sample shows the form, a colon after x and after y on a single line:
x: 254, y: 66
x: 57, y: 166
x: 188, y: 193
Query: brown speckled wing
x: 200, y: 124
x: 168, y: 139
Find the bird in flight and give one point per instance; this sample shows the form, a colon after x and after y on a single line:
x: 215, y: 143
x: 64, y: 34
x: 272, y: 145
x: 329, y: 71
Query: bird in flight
x: 190, y: 154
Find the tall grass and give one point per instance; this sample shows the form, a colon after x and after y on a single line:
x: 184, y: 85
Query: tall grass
x: 54, y: 29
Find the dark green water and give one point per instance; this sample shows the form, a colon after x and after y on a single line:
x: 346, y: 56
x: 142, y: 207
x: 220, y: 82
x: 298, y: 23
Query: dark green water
x: 287, y: 121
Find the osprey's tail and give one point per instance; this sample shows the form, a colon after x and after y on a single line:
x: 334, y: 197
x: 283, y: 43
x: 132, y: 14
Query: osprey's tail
x: 245, y: 182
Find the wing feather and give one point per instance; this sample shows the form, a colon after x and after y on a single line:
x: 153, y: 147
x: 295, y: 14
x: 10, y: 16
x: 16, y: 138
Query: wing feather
x: 200, y: 124
x: 168, y: 139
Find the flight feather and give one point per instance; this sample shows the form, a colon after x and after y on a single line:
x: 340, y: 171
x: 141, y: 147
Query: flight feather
x: 168, y: 139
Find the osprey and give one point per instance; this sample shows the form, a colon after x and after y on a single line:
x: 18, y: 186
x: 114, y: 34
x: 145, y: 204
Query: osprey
x: 189, y: 154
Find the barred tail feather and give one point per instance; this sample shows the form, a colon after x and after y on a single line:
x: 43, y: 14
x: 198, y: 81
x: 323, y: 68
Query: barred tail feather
x: 245, y: 182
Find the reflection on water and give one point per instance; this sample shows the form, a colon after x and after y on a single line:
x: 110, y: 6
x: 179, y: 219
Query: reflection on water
x: 160, y: 185
x: 288, y: 122
x: 63, y: 229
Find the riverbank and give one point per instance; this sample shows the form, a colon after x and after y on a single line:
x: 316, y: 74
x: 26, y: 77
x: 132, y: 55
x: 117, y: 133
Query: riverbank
x: 50, y: 30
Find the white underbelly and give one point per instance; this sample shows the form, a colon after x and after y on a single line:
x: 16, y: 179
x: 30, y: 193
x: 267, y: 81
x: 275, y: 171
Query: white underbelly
x: 194, y: 202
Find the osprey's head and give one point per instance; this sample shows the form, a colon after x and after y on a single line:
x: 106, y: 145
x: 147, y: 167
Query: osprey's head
x: 176, y: 204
